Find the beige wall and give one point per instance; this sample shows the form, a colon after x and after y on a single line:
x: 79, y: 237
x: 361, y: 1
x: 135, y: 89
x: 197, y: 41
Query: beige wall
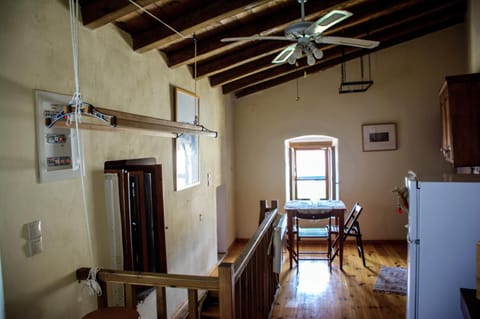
x: 35, y: 53
x: 407, y: 80
x: 473, y: 20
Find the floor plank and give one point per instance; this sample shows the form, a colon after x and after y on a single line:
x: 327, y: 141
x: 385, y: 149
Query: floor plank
x: 312, y: 291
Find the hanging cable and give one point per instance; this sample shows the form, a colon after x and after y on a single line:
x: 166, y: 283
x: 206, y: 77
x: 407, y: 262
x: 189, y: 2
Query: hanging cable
x: 194, y: 37
x: 156, y: 18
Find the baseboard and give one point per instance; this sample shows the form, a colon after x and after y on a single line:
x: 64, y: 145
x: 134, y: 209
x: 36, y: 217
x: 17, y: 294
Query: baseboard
x: 364, y: 241
x: 383, y: 241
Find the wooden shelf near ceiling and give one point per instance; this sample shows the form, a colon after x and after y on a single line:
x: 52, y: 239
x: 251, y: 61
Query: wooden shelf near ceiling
x: 134, y: 123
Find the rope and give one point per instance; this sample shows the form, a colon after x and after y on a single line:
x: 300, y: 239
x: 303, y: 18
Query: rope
x: 92, y: 284
x: 94, y: 287
x: 195, y: 77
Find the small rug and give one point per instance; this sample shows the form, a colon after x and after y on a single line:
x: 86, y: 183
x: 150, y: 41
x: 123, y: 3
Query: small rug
x: 392, y: 280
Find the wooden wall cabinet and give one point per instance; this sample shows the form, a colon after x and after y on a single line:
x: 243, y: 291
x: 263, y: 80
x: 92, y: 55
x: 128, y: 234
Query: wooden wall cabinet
x: 460, y: 108
x: 142, y: 213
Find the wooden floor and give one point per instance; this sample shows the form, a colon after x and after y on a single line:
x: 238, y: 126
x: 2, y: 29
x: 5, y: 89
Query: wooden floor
x: 312, y: 291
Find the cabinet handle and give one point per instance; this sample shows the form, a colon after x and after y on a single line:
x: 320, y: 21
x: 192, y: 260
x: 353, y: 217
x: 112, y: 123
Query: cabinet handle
x: 445, y: 150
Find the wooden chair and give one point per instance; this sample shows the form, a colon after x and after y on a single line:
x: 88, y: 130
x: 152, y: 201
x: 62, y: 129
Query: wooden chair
x: 313, y: 232
x: 264, y: 208
x: 352, y: 229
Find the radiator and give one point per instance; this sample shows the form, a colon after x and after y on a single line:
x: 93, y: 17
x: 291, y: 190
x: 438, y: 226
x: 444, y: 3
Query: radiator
x: 279, y: 242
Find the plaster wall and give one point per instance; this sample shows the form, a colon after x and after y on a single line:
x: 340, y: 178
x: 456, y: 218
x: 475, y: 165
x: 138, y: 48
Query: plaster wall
x: 473, y: 20
x: 407, y: 81
x: 35, y: 53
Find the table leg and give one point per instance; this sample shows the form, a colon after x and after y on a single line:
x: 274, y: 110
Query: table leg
x: 290, y: 237
x: 340, y: 234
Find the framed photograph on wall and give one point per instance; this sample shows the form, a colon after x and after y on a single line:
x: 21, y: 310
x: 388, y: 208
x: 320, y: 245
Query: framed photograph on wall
x: 379, y: 137
x: 187, y: 168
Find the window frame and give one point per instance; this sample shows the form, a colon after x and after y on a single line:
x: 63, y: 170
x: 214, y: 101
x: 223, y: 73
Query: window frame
x: 329, y: 169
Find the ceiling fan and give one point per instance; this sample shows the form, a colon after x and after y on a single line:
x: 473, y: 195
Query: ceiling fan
x: 306, y: 34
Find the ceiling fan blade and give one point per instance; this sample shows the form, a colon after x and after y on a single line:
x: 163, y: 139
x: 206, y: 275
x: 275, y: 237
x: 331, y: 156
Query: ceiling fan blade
x: 285, y: 54
x: 360, y: 43
x: 255, y: 38
x: 327, y: 21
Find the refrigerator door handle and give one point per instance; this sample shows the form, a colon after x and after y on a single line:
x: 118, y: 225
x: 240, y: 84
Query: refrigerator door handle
x: 412, y: 241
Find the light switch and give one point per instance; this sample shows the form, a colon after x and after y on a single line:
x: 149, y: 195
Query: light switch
x: 35, y: 246
x: 33, y: 235
x: 34, y: 230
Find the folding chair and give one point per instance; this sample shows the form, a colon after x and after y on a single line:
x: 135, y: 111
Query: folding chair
x: 352, y: 229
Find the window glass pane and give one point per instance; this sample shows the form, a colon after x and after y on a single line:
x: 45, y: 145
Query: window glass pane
x: 310, y: 163
x: 312, y: 189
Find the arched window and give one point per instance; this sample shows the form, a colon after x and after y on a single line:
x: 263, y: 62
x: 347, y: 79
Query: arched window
x: 311, y: 163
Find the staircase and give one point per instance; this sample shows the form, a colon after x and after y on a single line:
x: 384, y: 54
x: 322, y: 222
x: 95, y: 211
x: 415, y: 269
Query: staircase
x: 209, y: 307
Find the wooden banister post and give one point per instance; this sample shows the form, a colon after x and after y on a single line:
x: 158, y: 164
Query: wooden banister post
x: 102, y: 300
x: 161, y: 303
x: 226, y: 291
x: 263, y: 209
x: 192, y: 304
x: 130, y: 297
x: 273, y: 204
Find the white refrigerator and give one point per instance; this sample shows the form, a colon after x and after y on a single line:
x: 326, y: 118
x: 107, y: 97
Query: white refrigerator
x: 443, y: 229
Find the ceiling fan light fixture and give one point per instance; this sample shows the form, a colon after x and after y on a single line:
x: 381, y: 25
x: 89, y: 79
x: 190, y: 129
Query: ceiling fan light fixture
x: 292, y: 59
x: 317, y: 53
x: 297, y: 53
x: 310, y: 58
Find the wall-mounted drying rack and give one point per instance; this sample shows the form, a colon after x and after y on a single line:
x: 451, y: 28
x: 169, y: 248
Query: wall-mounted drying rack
x: 110, y: 120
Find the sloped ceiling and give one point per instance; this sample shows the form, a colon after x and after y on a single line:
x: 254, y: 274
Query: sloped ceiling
x: 243, y: 68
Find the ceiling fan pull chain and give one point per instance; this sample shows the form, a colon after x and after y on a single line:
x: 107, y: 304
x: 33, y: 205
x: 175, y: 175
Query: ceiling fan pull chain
x: 298, y: 95
x: 361, y: 68
x: 344, y: 73
x: 369, y: 68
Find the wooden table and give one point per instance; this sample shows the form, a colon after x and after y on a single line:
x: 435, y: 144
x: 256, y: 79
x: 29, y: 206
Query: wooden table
x: 335, y: 207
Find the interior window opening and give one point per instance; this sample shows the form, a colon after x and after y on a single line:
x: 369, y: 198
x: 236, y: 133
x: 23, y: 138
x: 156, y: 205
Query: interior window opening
x: 311, y: 168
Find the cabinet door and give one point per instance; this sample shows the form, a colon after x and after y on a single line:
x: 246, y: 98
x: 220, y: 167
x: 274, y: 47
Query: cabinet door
x: 460, y: 102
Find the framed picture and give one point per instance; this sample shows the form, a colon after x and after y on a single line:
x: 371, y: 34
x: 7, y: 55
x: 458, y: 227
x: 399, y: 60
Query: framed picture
x: 379, y: 137
x: 187, y: 149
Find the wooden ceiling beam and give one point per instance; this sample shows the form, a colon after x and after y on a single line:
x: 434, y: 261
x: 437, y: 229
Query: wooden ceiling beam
x: 387, y: 42
x: 231, y: 59
x: 276, y: 71
x: 271, y: 24
x: 101, y: 12
x: 242, y: 70
x: 159, y: 37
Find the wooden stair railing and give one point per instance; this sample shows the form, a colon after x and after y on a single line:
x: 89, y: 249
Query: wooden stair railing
x: 246, y: 288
